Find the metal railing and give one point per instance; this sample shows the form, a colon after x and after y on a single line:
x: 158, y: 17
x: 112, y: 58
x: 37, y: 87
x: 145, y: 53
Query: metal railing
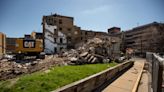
x: 156, y: 70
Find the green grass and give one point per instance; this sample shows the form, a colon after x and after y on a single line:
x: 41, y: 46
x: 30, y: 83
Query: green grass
x: 55, y: 78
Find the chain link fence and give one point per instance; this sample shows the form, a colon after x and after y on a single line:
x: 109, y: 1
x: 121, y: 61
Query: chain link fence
x: 156, y: 70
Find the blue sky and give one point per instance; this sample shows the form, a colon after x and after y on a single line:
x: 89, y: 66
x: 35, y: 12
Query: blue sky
x: 19, y: 17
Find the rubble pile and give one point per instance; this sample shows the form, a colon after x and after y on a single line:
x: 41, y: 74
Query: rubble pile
x: 11, y: 69
x: 95, y: 50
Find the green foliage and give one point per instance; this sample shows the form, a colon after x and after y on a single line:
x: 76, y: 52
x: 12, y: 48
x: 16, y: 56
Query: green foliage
x: 55, y: 78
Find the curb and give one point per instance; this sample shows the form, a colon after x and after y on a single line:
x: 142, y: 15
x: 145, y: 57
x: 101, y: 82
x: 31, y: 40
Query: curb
x: 138, y: 80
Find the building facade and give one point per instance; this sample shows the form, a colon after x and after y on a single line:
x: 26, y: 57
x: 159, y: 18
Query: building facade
x: 65, y: 25
x: 63, y: 28
x: 10, y: 45
x: 145, y: 38
x: 115, y: 33
x: 2, y: 44
x: 116, y: 40
x: 54, y: 41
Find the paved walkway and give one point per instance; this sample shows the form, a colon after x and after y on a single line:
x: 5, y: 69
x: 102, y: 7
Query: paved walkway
x: 128, y: 82
x: 144, y: 82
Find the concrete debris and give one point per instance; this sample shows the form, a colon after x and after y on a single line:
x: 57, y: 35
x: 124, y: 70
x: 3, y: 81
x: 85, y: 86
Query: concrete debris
x: 11, y: 69
x: 73, y: 59
x: 83, y: 54
x: 95, y: 50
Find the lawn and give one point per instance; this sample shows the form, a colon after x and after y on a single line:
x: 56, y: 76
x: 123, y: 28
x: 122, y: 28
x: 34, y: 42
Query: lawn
x: 45, y: 81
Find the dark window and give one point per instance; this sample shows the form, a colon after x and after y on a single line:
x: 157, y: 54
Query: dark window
x: 69, y: 39
x: 50, y: 21
x: 61, y: 48
x: 61, y: 40
x: 55, y: 50
x: 85, y: 40
x: 60, y: 28
x: 81, y: 38
x: 69, y: 29
x: 130, y: 42
x: 129, y: 35
x: 60, y: 21
x: 85, y: 33
x: 55, y: 40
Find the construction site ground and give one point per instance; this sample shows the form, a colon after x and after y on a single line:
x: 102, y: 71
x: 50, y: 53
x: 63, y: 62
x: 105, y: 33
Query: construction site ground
x: 133, y: 80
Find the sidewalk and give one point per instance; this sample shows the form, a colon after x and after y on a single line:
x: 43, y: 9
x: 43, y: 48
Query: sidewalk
x: 129, y: 81
x: 144, y: 82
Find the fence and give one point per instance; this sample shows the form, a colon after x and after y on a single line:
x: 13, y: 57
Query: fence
x: 156, y: 70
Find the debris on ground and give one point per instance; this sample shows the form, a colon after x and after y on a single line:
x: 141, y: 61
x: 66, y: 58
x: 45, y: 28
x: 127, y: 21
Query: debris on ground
x: 11, y: 69
x: 95, y: 50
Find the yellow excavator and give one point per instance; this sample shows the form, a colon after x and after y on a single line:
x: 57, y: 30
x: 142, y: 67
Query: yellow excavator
x: 29, y: 47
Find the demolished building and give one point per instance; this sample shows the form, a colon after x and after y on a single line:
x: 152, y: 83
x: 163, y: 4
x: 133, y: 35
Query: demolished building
x: 64, y: 25
x: 55, y: 24
x: 54, y: 41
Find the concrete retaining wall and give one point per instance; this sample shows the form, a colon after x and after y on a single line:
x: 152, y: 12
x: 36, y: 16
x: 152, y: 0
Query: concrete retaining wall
x: 94, y: 81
